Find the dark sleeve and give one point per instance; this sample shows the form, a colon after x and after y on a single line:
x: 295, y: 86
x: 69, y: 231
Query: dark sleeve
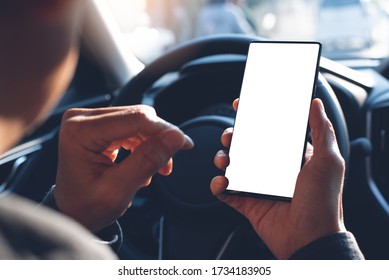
x: 111, y: 235
x: 337, y: 246
x: 30, y: 232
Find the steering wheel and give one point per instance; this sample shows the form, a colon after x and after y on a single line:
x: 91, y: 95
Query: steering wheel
x: 194, y: 224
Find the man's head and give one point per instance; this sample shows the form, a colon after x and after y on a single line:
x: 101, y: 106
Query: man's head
x: 38, y: 55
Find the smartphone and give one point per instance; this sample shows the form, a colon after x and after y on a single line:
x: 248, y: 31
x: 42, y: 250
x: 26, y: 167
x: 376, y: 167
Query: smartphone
x: 270, y: 129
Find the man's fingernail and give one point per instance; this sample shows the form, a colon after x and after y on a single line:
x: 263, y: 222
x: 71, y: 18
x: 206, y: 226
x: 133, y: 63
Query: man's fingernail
x: 220, y: 154
x: 173, y: 139
x: 321, y: 106
x: 189, y: 142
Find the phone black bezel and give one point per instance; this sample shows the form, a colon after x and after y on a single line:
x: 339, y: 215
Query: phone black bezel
x: 274, y: 197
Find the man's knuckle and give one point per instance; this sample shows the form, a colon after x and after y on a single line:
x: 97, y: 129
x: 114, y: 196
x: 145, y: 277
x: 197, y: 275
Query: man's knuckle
x: 70, y: 113
x: 148, y: 109
x: 73, y: 124
x: 335, y: 159
x: 140, y: 113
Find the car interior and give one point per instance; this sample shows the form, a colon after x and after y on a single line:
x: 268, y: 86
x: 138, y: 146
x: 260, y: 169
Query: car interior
x: 192, y: 83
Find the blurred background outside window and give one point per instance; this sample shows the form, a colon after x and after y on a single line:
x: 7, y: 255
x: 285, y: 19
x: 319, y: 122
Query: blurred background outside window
x: 347, y: 28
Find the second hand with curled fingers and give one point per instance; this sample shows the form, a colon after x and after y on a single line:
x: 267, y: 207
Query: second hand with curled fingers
x: 91, y: 187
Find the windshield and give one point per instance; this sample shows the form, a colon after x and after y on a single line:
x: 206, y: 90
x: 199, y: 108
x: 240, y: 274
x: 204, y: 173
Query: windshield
x: 346, y: 28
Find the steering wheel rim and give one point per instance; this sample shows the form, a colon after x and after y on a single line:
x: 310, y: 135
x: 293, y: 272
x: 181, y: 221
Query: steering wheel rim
x: 133, y: 92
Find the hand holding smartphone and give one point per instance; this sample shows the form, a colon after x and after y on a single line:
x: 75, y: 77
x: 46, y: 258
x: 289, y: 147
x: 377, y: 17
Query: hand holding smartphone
x: 269, y: 139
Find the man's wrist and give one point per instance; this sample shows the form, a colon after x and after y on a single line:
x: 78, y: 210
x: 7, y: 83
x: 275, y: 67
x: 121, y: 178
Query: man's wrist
x: 111, y: 235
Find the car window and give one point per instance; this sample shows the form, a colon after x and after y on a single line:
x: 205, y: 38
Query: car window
x: 347, y: 28
x: 335, y: 3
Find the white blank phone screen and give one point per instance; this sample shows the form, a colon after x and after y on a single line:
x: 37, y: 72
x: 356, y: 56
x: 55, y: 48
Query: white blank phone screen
x: 269, y: 135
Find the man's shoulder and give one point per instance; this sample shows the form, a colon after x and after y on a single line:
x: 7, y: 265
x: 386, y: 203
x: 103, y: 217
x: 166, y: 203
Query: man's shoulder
x: 31, y: 232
